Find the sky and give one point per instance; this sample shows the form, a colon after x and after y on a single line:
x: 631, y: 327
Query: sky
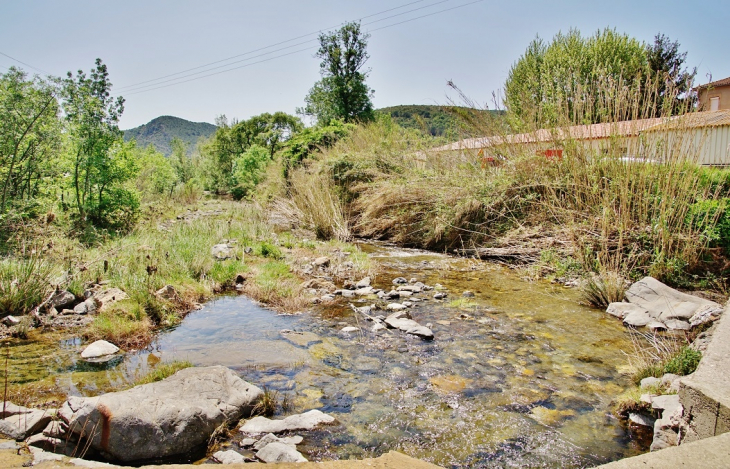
x: 473, y: 43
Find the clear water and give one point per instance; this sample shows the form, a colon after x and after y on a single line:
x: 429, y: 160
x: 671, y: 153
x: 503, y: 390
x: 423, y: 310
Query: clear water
x: 519, y: 376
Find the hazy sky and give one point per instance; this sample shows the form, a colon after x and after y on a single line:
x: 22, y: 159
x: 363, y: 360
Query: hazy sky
x: 474, y: 45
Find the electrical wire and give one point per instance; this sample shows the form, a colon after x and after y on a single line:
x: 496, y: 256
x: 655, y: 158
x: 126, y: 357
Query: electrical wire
x: 26, y: 64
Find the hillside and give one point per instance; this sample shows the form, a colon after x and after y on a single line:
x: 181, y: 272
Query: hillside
x: 437, y: 120
x: 159, y: 132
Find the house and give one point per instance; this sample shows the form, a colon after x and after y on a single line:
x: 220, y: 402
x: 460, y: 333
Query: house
x: 714, y: 96
x: 701, y: 136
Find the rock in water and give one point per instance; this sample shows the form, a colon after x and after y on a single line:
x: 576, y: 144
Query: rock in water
x: 99, y: 348
x: 306, y: 421
x: 279, y: 452
x: 161, y: 419
x: 229, y: 457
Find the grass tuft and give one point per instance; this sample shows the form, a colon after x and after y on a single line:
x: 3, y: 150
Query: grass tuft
x: 162, y: 371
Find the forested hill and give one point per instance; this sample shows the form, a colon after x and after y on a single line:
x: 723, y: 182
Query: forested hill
x: 160, y: 131
x: 436, y: 120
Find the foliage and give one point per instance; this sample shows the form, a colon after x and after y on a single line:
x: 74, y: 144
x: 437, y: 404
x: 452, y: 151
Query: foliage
x: 182, y: 161
x: 311, y: 139
x: 248, y: 170
x: 711, y: 218
x: 342, y: 92
x: 161, y: 131
x: 100, y: 161
x: 156, y: 176
x: 29, y: 137
x: 438, y: 121
x: 563, y: 78
x: 684, y: 362
x: 673, y: 81
x: 24, y: 284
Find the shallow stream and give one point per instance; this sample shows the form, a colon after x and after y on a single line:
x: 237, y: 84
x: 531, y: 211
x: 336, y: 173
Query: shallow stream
x: 520, y: 375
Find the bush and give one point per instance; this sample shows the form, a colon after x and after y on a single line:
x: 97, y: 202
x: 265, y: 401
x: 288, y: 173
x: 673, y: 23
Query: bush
x: 248, y: 170
x: 712, y: 219
x: 301, y: 145
x: 684, y: 362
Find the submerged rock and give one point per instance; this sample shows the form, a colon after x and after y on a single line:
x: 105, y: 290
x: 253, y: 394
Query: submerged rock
x: 409, y: 326
x: 161, y: 419
x: 229, y: 457
x: 306, y: 421
x: 279, y: 452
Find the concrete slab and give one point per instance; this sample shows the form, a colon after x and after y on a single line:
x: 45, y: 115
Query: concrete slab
x: 705, y: 394
x: 709, y: 453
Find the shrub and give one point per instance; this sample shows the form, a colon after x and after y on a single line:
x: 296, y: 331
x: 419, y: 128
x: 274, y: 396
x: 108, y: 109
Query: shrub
x: 684, y: 362
x: 712, y: 219
x: 600, y: 290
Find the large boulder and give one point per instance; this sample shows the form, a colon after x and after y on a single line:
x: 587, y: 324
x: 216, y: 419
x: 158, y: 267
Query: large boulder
x: 665, y: 303
x: 161, y: 419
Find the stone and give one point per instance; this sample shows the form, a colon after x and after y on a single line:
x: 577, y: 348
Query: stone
x: 40, y: 456
x: 320, y: 284
x: 109, y: 297
x: 349, y: 329
x: 656, y: 325
x: 669, y: 403
x: 637, y: 319
x: 363, y: 283
x: 99, y: 348
x: 11, y: 321
x: 302, y: 339
x: 650, y: 382
x: 62, y: 299
x: 161, y: 419
x: 391, y: 294
x: 87, y: 306
x: 11, y: 431
x: 271, y: 438
x: 348, y: 293
x: 229, y: 457
x: 641, y: 419
x: 279, y: 452
x: 54, y: 429
x: 677, y: 325
x: 167, y: 293
x: 409, y: 326
x: 621, y: 310
x: 704, y: 316
x: 664, y: 303
x: 321, y: 262
x: 409, y: 288
x: 405, y: 294
x: 468, y: 294
x: 399, y: 281
x: 326, y: 298
x: 439, y: 296
x: 8, y: 409
x: 421, y: 331
x: 246, y: 442
x: 90, y: 464
x: 306, y: 421
x: 669, y: 379
x: 664, y: 435
x: 377, y: 327
x: 26, y: 424
x: 222, y: 251
x: 395, y: 307
x: 364, y: 291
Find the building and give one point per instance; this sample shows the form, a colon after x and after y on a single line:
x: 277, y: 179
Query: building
x: 714, y: 96
x: 703, y: 137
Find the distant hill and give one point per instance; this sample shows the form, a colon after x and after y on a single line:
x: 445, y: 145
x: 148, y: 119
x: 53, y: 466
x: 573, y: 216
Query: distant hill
x: 159, y: 132
x: 439, y: 121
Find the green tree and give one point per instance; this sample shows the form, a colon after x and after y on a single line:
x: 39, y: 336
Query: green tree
x: 572, y: 77
x: 100, y: 163
x: 342, y: 92
x: 672, y: 79
x: 156, y: 175
x: 248, y: 170
x: 29, y: 136
x: 181, y: 161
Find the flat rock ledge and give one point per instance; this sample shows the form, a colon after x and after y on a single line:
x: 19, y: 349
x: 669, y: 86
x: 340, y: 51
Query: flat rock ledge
x: 306, y: 421
x: 161, y: 419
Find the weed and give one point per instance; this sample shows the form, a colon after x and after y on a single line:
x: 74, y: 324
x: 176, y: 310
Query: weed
x: 683, y: 362
x: 267, y: 404
x: 162, y: 371
x: 600, y: 290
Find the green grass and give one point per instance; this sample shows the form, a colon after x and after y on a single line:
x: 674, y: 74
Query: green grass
x: 162, y: 371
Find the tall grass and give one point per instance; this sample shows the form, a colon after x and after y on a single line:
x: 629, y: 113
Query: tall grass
x: 24, y: 283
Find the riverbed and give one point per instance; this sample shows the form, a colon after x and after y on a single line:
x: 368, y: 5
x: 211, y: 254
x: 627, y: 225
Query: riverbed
x: 519, y: 375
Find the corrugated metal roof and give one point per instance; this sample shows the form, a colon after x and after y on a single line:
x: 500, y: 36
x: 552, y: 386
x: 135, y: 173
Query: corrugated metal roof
x: 596, y: 131
x: 715, y: 84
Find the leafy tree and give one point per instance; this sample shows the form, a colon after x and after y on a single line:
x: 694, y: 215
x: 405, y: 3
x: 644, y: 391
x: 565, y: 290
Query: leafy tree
x: 248, y: 170
x: 29, y: 136
x: 156, y: 175
x: 342, y: 92
x: 311, y: 139
x: 571, y: 76
x: 181, y: 161
x: 100, y: 162
x: 672, y: 80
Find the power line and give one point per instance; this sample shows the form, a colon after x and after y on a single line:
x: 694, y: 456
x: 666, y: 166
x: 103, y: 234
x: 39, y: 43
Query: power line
x: 154, y: 86
x: 27, y: 65
x: 131, y: 88
x: 134, y: 85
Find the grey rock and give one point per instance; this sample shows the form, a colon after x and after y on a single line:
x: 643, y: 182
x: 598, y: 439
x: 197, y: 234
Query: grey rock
x: 395, y: 306
x: 664, y: 303
x: 641, y: 419
x: 109, y: 297
x: 657, y: 325
x: 11, y: 431
x: 87, y: 306
x: 8, y: 445
x: 54, y: 429
x: 664, y: 435
x: 468, y: 294
x: 246, y: 442
x: 90, y: 464
x: 27, y: 424
x: 670, y: 379
x: 279, y: 452
x: 40, y: 456
x: 677, y: 325
x: 167, y: 292
x: 363, y: 283
x: 350, y: 329
x: 405, y: 294
x: 306, y: 421
x: 229, y: 457
x: 650, y: 382
x: 321, y: 262
x: 637, y: 319
x: 621, y: 310
x: 421, y: 331
x: 669, y: 403
x: 222, y: 251
x: 11, y: 321
x: 705, y: 315
x: 161, y: 419
x: 99, y: 348
x: 409, y: 326
x: 409, y: 288
x: 62, y: 299
x: 391, y: 294
x: 271, y: 438
x: 439, y: 296
x: 399, y: 281
x: 364, y: 291
x: 377, y: 327
x: 8, y: 409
